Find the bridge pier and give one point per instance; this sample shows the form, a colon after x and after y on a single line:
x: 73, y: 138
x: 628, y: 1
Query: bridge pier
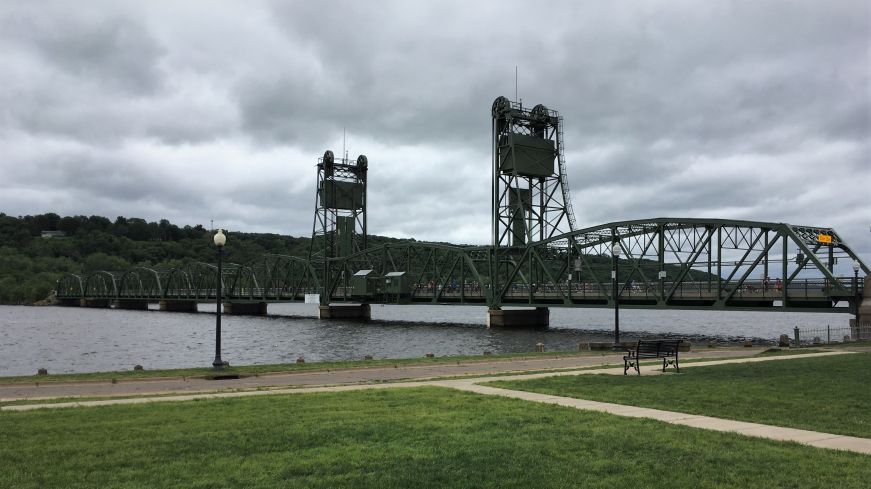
x: 352, y: 311
x: 178, y: 306
x: 245, y: 308
x: 132, y: 304
x: 69, y: 302
x: 96, y: 303
x: 518, y: 318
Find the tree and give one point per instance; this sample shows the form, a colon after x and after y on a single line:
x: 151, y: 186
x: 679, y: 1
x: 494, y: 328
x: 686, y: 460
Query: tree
x: 137, y: 229
x: 99, y: 222
x: 102, y: 262
x: 45, y: 222
x: 69, y: 225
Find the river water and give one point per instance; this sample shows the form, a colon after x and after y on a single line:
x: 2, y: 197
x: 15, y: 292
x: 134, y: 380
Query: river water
x: 71, y: 339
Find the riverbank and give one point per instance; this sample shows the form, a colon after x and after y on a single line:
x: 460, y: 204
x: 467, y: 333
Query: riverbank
x: 258, y: 370
x: 174, y: 382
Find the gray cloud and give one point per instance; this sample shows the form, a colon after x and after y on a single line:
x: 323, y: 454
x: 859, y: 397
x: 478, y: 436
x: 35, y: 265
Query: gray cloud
x: 695, y: 109
x: 112, y: 50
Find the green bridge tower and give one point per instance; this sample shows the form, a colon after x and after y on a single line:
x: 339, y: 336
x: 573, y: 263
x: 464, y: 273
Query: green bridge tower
x: 530, y: 196
x: 339, y: 227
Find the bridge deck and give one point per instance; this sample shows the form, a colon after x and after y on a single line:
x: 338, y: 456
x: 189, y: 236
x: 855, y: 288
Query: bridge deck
x: 804, y: 295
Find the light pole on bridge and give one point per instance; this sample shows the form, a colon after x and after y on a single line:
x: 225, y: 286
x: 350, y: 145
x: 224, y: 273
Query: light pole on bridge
x: 615, y: 251
x: 856, y: 266
x: 220, y: 241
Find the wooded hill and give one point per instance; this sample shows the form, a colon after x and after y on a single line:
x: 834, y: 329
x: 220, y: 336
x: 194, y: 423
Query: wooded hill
x: 30, y: 264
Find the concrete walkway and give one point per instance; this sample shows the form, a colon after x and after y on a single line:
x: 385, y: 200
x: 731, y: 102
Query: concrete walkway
x: 180, y: 385
x: 811, y: 438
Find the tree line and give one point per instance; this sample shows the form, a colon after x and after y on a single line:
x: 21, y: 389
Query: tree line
x: 30, y: 265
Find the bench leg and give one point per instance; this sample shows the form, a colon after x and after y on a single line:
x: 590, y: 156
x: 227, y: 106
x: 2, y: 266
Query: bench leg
x: 630, y: 363
x: 674, y: 363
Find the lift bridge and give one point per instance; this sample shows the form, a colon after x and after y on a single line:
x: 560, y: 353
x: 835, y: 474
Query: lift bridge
x: 538, y: 257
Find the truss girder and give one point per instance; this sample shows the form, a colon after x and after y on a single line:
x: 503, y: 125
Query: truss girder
x: 141, y: 283
x: 710, y: 263
x: 101, y: 284
x: 70, y: 286
x: 665, y: 262
x: 435, y: 273
x: 196, y: 281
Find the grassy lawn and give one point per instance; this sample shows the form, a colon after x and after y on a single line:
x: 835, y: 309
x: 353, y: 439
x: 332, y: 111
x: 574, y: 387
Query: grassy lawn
x: 828, y: 394
x: 427, y: 437
x: 283, y: 367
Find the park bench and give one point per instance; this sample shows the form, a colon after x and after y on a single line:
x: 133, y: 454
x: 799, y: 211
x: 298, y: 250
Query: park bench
x: 664, y: 349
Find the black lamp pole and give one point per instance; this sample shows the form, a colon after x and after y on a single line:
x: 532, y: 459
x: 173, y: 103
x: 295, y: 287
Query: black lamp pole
x: 856, y: 294
x: 220, y: 240
x: 616, y: 253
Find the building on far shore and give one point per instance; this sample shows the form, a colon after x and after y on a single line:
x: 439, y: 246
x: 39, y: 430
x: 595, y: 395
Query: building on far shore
x: 53, y: 234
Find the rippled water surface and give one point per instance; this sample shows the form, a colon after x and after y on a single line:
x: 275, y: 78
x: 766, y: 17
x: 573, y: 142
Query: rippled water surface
x: 65, y: 340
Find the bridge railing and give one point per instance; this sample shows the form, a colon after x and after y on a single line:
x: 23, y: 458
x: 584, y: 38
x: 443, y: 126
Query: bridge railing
x: 749, y: 290
x: 798, y: 289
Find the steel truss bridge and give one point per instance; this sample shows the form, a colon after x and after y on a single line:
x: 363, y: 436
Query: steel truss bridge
x: 538, y: 258
x: 664, y: 263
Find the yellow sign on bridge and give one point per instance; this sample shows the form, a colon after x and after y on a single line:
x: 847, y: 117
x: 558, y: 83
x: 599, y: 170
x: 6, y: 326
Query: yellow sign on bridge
x: 824, y: 238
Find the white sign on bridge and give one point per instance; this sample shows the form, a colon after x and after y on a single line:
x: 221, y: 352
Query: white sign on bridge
x: 312, y: 298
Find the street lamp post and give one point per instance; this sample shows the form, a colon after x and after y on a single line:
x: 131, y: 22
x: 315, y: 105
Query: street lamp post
x: 615, y: 251
x: 220, y: 241
x: 856, y: 297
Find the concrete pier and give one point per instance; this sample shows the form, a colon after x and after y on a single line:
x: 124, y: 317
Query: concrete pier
x: 245, y: 308
x: 178, y: 306
x: 132, y: 304
x: 69, y: 302
x: 349, y: 311
x: 96, y: 303
x: 518, y: 318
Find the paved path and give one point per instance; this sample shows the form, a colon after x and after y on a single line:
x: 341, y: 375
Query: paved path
x: 51, y: 390
x: 811, y: 438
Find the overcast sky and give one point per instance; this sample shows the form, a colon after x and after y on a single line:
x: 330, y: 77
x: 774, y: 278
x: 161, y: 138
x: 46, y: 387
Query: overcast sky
x: 193, y: 111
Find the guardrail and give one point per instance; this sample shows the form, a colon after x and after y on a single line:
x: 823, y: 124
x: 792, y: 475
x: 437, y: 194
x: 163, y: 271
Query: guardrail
x: 831, y: 335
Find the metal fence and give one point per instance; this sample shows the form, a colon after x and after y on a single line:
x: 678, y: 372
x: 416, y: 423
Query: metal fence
x: 831, y: 334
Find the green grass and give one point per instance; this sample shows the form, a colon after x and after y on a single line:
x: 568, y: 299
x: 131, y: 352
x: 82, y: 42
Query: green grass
x: 828, y: 394
x: 281, y: 368
x: 426, y: 437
